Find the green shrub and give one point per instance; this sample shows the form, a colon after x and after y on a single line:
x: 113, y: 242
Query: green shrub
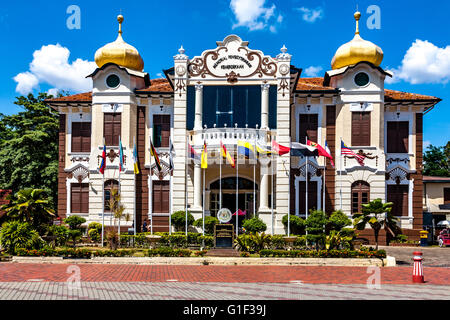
x: 113, y: 253
x: 210, y: 222
x: 15, y: 235
x: 297, y: 224
x: 254, y: 225
x: 66, y: 253
x: 277, y: 242
x: 300, y: 241
x: 94, y: 235
x: 179, y: 220
x: 61, y: 233
x: 339, y: 220
x: 96, y: 226
x: 200, y: 253
x: 322, y: 254
x: 75, y: 222
x: 315, y: 225
x: 169, y: 252
x: 252, y: 242
x: 400, y: 238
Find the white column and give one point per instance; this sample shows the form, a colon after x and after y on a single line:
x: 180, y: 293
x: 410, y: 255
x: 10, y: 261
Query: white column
x: 198, y: 107
x: 197, y: 187
x: 265, y: 106
x: 264, y: 188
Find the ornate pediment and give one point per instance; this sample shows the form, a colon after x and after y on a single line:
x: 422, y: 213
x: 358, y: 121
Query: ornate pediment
x: 165, y: 170
x: 231, y: 60
x: 79, y: 172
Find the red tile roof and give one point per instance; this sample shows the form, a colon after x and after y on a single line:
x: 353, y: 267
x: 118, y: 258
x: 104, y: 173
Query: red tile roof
x: 81, y: 97
x: 312, y: 84
x: 436, y: 179
x: 303, y: 84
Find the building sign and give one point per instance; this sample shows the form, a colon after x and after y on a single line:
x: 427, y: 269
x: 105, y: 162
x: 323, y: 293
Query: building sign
x: 232, y: 59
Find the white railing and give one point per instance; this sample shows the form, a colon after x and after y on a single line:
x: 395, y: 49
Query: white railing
x: 230, y: 136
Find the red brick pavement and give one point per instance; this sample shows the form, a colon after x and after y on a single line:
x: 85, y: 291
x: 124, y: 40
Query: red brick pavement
x: 18, y: 272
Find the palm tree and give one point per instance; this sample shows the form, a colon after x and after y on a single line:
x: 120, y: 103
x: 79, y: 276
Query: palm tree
x: 32, y: 206
x: 117, y: 208
x: 378, y: 215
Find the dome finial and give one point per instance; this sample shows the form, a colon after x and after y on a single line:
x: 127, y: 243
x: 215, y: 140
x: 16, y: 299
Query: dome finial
x: 357, y: 16
x: 120, y: 20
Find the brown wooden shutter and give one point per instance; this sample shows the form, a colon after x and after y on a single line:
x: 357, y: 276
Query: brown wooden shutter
x: 308, y: 125
x: 161, y: 127
x: 112, y: 128
x: 75, y: 198
x: 397, y: 136
x: 360, y: 128
x: 84, y: 198
x: 446, y: 195
x: 86, y: 137
x: 391, y: 132
x: 161, y: 190
x: 76, y: 137
x: 398, y: 195
x: 403, y: 136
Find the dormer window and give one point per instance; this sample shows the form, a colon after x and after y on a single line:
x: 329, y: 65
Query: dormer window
x: 362, y: 79
x: 113, y: 81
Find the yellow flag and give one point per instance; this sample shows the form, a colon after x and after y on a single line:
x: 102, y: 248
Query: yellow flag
x: 204, y: 164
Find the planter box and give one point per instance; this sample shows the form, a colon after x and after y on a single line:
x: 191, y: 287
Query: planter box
x: 404, y: 244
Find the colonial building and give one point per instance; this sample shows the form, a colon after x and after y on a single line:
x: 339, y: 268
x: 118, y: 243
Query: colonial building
x: 233, y: 93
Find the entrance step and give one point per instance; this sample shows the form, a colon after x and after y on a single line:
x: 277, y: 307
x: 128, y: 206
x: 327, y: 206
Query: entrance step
x: 219, y: 252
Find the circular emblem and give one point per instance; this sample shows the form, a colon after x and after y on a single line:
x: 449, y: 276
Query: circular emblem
x: 224, y: 215
x: 284, y: 69
x: 181, y: 70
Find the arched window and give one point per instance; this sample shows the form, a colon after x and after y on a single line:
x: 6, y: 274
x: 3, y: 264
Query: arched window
x: 230, y: 184
x: 109, y: 185
x: 360, y: 195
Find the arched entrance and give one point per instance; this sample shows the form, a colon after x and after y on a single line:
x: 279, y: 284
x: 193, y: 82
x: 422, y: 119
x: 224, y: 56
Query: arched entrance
x: 245, y: 195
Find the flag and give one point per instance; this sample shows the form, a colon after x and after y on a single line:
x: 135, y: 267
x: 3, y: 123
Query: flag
x: 322, y: 152
x: 329, y: 152
x: 346, y: 150
x: 192, y: 154
x: 226, y: 154
x: 135, y: 159
x: 263, y: 149
x: 171, y: 154
x: 155, y: 155
x: 279, y: 149
x: 204, y: 164
x: 246, y: 148
x: 121, y: 157
x: 103, y: 164
x: 299, y: 149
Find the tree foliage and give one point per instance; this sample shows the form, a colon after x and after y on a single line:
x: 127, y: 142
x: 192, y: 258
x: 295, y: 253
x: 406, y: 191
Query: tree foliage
x: 32, y: 206
x: 29, y: 147
x: 16, y: 234
x: 436, y: 161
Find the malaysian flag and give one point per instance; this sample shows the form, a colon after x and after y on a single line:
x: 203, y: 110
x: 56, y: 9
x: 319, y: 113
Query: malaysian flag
x: 346, y: 150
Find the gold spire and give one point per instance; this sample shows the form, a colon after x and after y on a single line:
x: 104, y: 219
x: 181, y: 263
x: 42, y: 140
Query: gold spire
x: 357, y: 15
x: 357, y: 50
x: 119, y: 52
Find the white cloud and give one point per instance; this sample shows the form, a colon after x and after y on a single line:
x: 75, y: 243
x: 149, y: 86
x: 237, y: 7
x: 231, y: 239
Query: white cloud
x: 53, y: 92
x: 424, y: 62
x: 26, y: 82
x: 51, y: 66
x: 254, y: 15
x: 426, y: 144
x: 159, y: 75
x: 311, y: 15
x: 313, y: 71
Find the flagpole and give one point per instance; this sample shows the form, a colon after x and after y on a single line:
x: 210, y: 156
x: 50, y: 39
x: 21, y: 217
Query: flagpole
x: 120, y: 185
x: 271, y: 196
x: 323, y: 187
x: 306, y: 182
x: 220, y: 177
x: 103, y: 207
x: 186, y: 186
x: 340, y: 177
x: 203, y: 218
x: 170, y: 207
x: 151, y: 188
x: 254, y: 177
x: 134, y: 201
x: 289, y: 191
x: 237, y: 190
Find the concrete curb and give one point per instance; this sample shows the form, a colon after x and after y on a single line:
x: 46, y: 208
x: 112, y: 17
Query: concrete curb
x: 227, y: 261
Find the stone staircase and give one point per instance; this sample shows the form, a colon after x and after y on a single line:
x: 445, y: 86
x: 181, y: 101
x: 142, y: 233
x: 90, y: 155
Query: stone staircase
x: 222, y: 252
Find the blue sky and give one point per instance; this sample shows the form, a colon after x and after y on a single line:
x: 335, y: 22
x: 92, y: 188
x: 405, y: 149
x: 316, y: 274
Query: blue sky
x: 412, y: 35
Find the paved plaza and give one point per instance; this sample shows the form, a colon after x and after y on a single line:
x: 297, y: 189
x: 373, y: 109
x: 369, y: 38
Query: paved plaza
x: 22, y: 281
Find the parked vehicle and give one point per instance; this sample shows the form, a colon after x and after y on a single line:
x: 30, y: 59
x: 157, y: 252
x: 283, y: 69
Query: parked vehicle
x: 444, y: 238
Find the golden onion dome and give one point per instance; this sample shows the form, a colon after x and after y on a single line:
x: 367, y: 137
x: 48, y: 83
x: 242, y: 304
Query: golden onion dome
x: 120, y: 53
x: 357, y: 50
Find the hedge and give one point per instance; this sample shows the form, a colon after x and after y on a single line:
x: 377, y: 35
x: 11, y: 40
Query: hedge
x: 322, y: 254
x: 169, y: 252
x: 49, y: 252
